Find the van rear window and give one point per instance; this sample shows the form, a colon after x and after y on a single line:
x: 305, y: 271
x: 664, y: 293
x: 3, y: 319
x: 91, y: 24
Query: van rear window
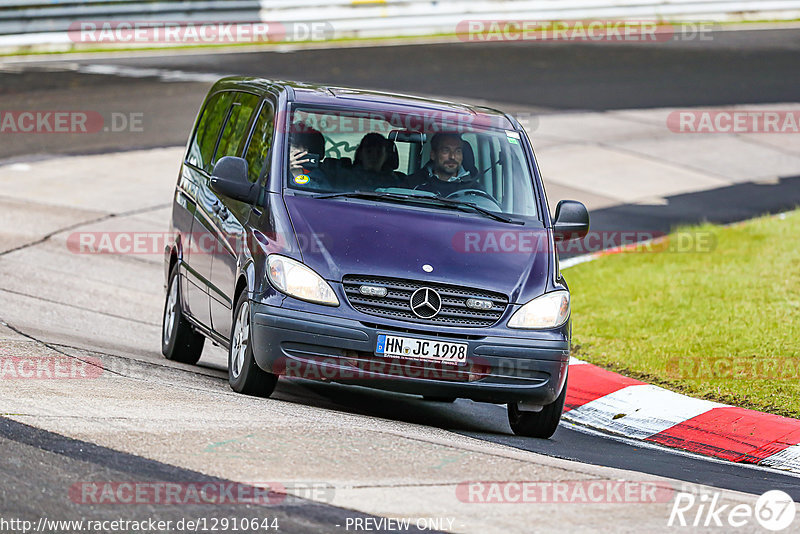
x: 204, y: 141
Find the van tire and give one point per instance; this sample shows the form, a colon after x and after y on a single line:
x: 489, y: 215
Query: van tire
x: 542, y: 424
x: 244, y: 374
x: 179, y: 341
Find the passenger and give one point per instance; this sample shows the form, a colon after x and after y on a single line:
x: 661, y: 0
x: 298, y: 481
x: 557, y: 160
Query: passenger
x: 445, y: 174
x: 372, y: 152
x: 371, y: 164
x: 305, y: 174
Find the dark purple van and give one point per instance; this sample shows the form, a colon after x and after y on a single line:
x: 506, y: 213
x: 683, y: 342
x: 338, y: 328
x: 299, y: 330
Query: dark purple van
x: 373, y: 239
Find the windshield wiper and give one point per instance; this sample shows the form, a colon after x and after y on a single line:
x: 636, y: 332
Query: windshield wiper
x: 359, y: 194
x: 457, y: 204
x: 471, y: 205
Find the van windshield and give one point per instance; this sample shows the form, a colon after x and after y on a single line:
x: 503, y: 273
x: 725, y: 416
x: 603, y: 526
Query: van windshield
x: 459, y: 157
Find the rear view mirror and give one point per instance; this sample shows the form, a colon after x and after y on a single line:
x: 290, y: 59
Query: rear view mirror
x: 571, y: 221
x: 229, y: 178
x: 407, y: 136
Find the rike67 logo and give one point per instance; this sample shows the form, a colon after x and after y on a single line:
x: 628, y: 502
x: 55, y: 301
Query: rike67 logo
x: 774, y: 510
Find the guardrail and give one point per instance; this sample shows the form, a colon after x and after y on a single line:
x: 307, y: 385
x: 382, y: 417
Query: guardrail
x: 41, y: 21
x: 366, y: 18
x: 36, y: 16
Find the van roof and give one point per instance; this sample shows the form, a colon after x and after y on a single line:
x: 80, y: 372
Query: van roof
x: 362, y: 99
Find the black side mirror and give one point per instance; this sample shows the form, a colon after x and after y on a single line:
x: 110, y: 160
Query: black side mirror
x: 229, y: 178
x: 571, y: 221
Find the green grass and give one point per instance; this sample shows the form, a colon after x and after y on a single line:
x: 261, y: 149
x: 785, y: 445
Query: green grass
x: 722, y: 324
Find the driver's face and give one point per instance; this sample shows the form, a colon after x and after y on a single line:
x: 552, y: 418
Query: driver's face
x: 447, y: 158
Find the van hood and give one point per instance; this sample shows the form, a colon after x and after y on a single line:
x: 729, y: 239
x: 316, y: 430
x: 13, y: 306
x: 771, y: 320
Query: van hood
x: 341, y: 236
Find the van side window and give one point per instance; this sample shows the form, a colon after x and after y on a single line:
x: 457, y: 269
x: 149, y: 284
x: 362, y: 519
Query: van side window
x: 201, y: 149
x: 261, y: 142
x: 235, y: 131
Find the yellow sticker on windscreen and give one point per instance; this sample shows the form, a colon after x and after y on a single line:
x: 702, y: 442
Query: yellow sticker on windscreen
x: 301, y: 179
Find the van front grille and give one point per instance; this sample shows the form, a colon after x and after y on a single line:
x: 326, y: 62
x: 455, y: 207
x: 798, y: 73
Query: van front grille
x: 396, y: 304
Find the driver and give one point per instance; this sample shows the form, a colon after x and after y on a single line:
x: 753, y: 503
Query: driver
x: 444, y: 174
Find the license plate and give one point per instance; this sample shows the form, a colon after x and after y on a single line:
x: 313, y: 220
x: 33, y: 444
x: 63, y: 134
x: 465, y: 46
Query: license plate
x: 409, y: 348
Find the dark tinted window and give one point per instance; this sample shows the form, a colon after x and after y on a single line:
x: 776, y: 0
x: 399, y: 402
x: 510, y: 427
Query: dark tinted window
x: 235, y: 132
x: 201, y: 149
x: 261, y: 142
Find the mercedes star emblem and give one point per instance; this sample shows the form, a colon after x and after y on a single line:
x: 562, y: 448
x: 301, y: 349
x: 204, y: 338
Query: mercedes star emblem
x: 425, y: 303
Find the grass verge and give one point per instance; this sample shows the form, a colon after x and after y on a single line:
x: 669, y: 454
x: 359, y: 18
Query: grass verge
x: 721, y: 322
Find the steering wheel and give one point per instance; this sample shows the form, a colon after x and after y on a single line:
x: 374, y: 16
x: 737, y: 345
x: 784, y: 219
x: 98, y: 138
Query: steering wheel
x: 478, y: 192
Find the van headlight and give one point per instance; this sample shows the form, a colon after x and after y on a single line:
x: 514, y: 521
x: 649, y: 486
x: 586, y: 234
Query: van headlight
x: 551, y: 310
x: 295, y: 279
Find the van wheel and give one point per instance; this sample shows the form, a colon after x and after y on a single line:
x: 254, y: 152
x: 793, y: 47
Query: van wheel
x: 179, y: 341
x: 541, y: 424
x: 244, y: 374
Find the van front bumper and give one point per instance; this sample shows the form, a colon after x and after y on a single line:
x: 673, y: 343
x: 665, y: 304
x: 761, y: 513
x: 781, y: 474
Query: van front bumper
x: 321, y: 347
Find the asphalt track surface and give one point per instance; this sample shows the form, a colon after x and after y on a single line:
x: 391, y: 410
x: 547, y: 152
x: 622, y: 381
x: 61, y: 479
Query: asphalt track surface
x: 734, y: 68
x: 570, y: 443
x: 40, y: 467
